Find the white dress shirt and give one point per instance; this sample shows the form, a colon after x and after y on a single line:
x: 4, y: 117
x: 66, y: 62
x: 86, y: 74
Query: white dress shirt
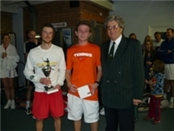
x: 117, y: 42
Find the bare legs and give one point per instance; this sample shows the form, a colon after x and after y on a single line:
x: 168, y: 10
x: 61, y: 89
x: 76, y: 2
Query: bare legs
x: 94, y: 126
x: 39, y: 125
x: 8, y: 84
x: 170, y: 83
x: 29, y: 95
x: 77, y: 126
x: 57, y: 124
x: 9, y: 88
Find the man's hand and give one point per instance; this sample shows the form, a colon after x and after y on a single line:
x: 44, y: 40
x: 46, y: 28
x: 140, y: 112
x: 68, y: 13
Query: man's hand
x: 148, y: 62
x: 57, y: 86
x: 169, y: 51
x: 94, y: 88
x: 72, y: 87
x: 45, y: 81
x: 4, y: 54
x: 136, y: 102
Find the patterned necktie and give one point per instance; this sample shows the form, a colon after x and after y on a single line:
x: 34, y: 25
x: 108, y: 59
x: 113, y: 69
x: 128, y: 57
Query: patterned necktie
x: 111, y: 53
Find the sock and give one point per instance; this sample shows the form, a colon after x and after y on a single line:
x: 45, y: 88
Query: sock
x: 148, y: 100
x: 27, y: 104
x: 165, y: 95
x: 9, y: 101
x: 172, y: 99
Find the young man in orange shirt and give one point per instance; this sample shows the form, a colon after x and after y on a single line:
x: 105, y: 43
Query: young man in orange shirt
x: 83, y: 69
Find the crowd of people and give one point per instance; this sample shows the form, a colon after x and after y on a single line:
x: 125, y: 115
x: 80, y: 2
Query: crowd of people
x: 117, y: 74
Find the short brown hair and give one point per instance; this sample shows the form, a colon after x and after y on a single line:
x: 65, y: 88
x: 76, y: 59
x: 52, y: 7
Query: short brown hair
x: 6, y: 34
x: 158, y: 66
x: 84, y: 22
x: 48, y: 25
x: 172, y: 30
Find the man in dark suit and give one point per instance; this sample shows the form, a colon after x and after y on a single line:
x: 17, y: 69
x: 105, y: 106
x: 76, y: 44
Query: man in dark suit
x: 123, y: 76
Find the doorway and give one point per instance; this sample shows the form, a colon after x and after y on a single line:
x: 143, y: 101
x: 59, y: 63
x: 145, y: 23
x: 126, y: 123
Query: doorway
x: 96, y: 36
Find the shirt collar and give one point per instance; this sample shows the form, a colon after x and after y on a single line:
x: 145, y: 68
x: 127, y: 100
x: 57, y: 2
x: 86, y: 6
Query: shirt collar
x: 117, y: 41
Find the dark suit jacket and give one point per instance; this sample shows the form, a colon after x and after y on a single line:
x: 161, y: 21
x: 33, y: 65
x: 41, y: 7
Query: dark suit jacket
x: 123, y: 79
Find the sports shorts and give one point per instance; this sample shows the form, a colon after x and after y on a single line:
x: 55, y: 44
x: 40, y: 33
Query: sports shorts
x: 48, y: 104
x: 77, y: 106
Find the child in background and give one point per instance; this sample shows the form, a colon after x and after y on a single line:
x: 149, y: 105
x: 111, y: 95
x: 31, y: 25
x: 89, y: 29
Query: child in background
x: 156, y: 86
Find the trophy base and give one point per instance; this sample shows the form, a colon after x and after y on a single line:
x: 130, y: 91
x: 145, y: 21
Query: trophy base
x: 50, y: 90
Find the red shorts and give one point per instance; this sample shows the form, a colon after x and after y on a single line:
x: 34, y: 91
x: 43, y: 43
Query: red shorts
x: 47, y: 104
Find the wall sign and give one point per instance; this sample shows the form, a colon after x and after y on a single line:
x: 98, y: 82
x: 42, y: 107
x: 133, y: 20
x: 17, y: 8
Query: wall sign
x: 59, y: 25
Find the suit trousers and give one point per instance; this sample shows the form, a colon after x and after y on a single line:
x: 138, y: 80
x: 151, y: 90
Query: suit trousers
x: 120, y: 118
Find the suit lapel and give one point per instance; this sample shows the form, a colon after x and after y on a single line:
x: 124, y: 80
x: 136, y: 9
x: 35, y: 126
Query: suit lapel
x: 120, y: 50
x: 106, y: 49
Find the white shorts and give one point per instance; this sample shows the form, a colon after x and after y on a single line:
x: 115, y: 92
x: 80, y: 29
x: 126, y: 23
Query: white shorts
x: 8, y: 73
x: 77, y: 107
x: 169, y: 71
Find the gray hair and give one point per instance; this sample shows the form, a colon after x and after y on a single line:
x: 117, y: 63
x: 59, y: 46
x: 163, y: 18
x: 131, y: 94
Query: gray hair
x: 118, y: 19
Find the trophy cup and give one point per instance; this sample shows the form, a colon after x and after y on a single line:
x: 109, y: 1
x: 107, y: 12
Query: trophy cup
x: 49, y: 89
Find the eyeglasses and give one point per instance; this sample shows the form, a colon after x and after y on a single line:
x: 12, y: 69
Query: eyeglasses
x: 114, y: 27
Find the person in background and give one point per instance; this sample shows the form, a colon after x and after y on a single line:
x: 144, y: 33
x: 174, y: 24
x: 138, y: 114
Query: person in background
x: 30, y: 44
x: 166, y: 53
x: 158, y: 40
x: 83, y: 69
x: 46, y: 56
x: 133, y: 36
x: 147, y: 37
x: 156, y: 86
x: 122, y: 76
x: 8, y: 64
x: 149, y: 57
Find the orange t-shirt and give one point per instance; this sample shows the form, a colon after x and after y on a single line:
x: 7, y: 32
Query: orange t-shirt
x: 83, y: 60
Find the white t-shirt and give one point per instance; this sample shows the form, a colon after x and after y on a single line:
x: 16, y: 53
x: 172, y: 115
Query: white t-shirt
x: 157, y: 44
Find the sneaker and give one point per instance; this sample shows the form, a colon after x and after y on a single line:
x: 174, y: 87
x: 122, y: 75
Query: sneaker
x: 7, y: 105
x: 12, y: 104
x: 155, y: 122
x: 102, y: 112
x: 28, y: 111
x: 148, y: 118
x: 171, y: 105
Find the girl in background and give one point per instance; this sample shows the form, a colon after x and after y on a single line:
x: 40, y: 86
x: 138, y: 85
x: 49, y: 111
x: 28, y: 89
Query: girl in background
x: 149, y: 55
x: 8, y: 64
x: 156, y: 86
